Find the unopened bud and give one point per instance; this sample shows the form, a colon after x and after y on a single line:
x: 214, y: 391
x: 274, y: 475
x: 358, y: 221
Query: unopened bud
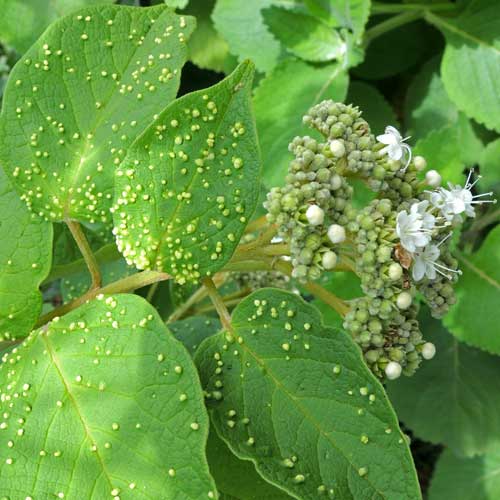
x: 420, y: 163
x: 315, y: 215
x: 404, y: 300
x: 428, y: 350
x: 395, y: 271
x: 433, y: 178
x: 336, y: 233
x: 337, y: 148
x: 329, y: 260
x: 393, y: 370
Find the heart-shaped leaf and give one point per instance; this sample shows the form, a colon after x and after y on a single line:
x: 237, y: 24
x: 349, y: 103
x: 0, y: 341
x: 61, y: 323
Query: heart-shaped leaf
x: 25, y: 259
x: 78, y: 98
x: 296, y: 398
x: 188, y: 185
x: 103, y: 403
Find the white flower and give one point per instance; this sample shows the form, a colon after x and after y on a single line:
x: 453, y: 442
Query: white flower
x: 393, y: 370
x: 415, y: 228
x: 395, y: 271
x: 424, y: 263
x: 336, y: 233
x: 395, y: 147
x: 420, y: 163
x: 458, y: 199
x: 315, y: 215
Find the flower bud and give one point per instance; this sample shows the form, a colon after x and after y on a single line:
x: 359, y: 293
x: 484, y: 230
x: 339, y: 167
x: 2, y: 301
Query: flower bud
x: 337, y: 148
x: 428, y: 350
x: 395, y: 271
x: 420, y: 163
x: 336, y: 233
x: 315, y: 215
x: 329, y: 260
x: 433, y: 178
x: 404, y: 300
x: 335, y: 182
x: 393, y: 370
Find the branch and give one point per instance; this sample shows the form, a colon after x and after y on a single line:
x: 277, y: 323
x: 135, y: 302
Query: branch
x: 220, y: 307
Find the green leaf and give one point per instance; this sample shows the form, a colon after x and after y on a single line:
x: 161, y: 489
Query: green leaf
x: 397, y: 51
x: 304, y: 36
x: 350, y: 14
x: 77, y: 284
x: 466, y: 478
x: 237, y: 478
x: 241, y: 24
x: 79, y: 97
x: 25, y: 259
x: 428, y: 107
x: 193, y: 330
x: 471, y: 61
x: 475, y: 317
x: 102, y: 402
x: 453, y: 399
x: 23, y: 21
x: 490, y: 165
x: 346, y: 285
x: 376, y: 110
x: 451, y: 150
x: 188, y: 185
x: 281, y: 99
x: 177, y: 4
x: 207, y: 48
x: 296, y: 398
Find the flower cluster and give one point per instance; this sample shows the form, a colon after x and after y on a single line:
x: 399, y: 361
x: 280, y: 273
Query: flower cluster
x: 399, y: 244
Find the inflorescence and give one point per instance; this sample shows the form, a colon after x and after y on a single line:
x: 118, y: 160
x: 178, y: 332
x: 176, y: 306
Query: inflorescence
x: 399, y: 244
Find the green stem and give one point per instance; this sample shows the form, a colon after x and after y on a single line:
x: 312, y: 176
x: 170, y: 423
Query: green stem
x: 392, y: 23
x: 124, y: 285
x: 391, y: 8
x: 230, y: 300
x: 108, y: 253
x: 256, y: 224
x: 218, y: 302
x: 86, y: 251
x: 152, y: 291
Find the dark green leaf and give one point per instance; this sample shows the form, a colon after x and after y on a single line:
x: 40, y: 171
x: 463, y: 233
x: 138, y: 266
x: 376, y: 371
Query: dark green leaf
x: 193, y: 330
x: 454, y: 398
x: 188, y: 185
x: 475, y: 317
x: 237, y: 478
x: 103, y: 403
x: 466, y: 478
x: 296, y: 398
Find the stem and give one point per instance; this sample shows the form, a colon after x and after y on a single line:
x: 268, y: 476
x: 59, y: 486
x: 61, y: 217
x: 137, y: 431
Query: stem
x: 230, y: 300
x: 390, y: 8
x: 218, y: 302
x: 256, y: 224
x: 327, y: 297
x: 108, y: 253
x: 392, y: 23
x: 197, y: 296
x: 152, y: 291
x: 124, y: 285
x: 86, y: 251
